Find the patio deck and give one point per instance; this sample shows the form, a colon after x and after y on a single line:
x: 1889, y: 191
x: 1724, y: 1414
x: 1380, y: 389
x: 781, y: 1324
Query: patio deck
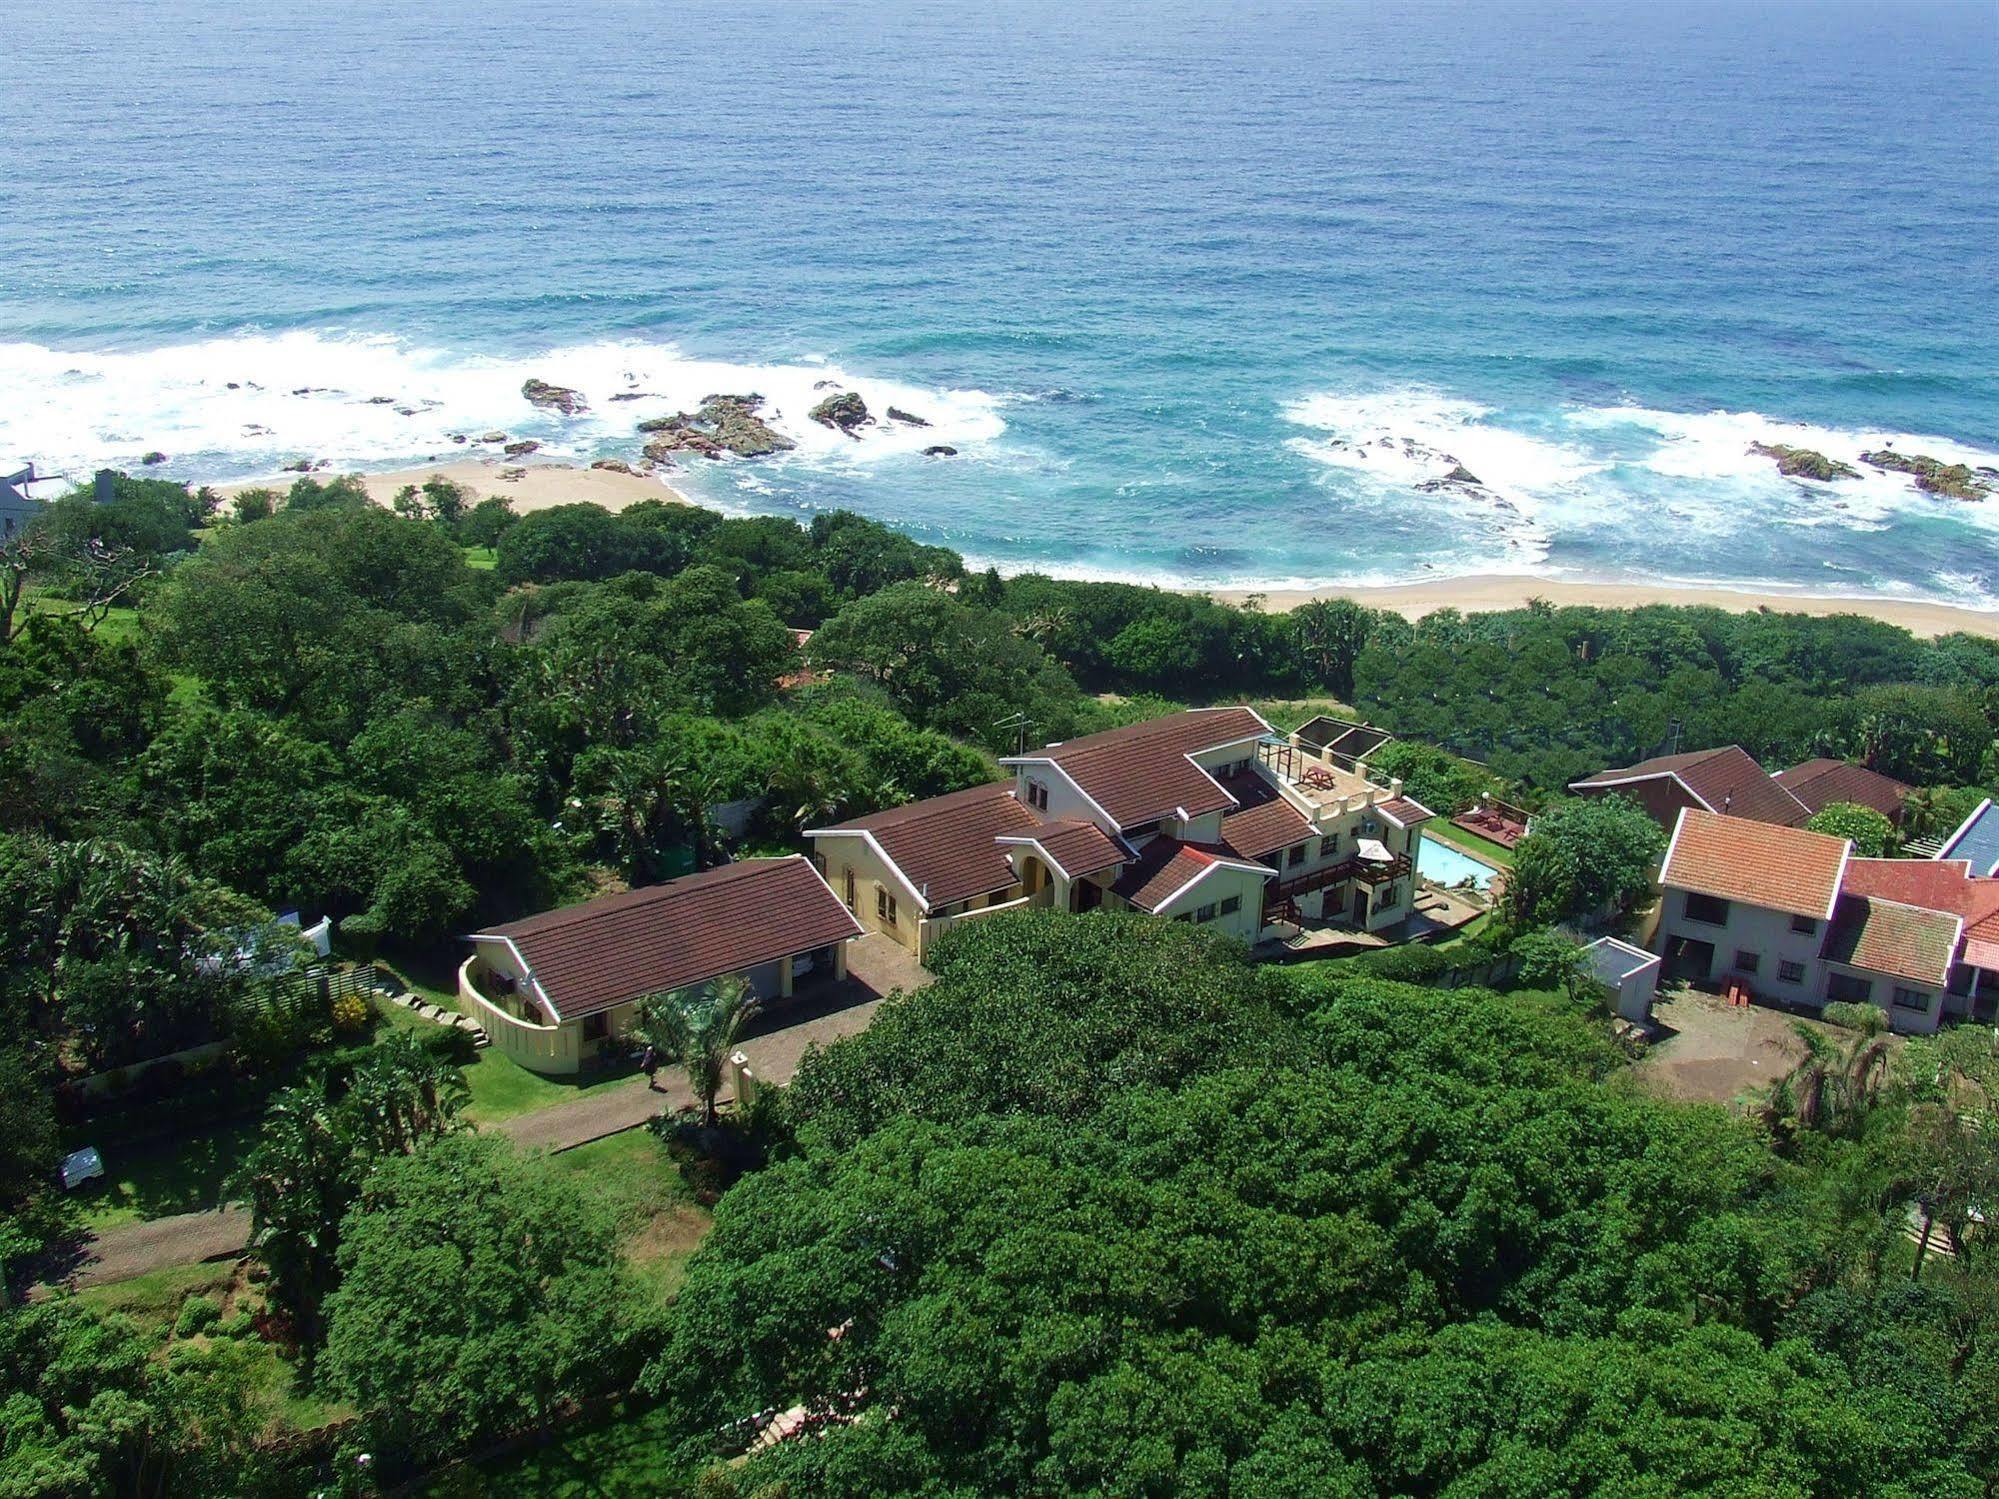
x: 1437, y: 915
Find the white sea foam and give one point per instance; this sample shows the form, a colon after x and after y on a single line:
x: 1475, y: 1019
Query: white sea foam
x: 235, y: 407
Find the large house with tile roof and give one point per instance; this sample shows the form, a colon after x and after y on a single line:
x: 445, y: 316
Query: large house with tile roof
x: 1726, y: 780
x: 1795, y: 919
x: 1208, y: 816
x: 1820, y: 783
x: 557, y: 990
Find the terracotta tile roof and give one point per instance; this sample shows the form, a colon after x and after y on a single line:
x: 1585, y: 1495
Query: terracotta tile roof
x: 1757, y: 863
x: 1820, y: 783
x: 1262, y: 822
x: 1163, y: 868
x: 1078, y: 848
x: 1725, y: 780
x: 603, y: 952
x: 1140, y: 773
x: 944, y: 845
x: 1904, y: 942
x: 1405, y: 811
x: 1936, y: 885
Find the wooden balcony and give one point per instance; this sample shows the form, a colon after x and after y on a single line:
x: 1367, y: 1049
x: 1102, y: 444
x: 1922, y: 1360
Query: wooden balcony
x: 1335, y: 874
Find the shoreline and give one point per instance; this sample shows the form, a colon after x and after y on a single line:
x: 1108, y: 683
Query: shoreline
x: 543, y: 485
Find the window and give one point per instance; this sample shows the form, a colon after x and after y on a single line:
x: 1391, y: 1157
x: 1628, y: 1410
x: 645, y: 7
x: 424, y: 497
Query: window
x: 1804, y: 924
x: 596, y: 1027
x: 1297, y: 855
x: 1329, y: 845
x: 1709, y: 910
x: 1746, y: 961
x: 884, y: 907
x: 848, y: 886
x: 1386, y: 896
x: 1790, y: 973
x: 1847, y: 989
x: 1911, y: 999
x: 1037, y: 796
x: 1205, y: 913
x: 1231, y: 904
x: 1144, y: 829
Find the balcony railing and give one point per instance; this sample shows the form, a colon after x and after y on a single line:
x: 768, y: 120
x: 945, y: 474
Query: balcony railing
x: 1363, y: 870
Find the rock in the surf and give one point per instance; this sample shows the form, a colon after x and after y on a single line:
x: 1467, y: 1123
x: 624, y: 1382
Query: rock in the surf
x: 1953, y: 481
x: 897, y: 414
x: 846, y: 412
x: 940, y: 451
x: 519, y: 449
x: 1804, y: 463
x: 554, y: 397
x: 725, y: 424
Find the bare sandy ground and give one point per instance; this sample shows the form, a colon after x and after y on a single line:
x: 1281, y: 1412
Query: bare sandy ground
x: 1485, y: 594
x: 537, y: 486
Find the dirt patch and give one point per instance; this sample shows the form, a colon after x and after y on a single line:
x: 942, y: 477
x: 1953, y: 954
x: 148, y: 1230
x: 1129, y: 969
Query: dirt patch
x: 1716, y: 1052
x: 659, y: 1251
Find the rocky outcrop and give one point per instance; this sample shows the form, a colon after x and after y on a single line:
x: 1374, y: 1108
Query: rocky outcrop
x: 554, y: 397
x: 845, y: 412
x: 460, y: 438
x: 513, y: 475
x: 152, y: 458
x: 1953, y: 481
x: 1804, y: 463
x: 1459, y: 476
x: 521, y: 448
x: 381, y: 400
x: 614, y: 466
x: 897, y: 414
x: 494, y: 437
x: 940, y: 451
x: 725, y: 425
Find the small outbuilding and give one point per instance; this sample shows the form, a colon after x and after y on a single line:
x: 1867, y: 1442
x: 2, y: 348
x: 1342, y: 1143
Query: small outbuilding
x: 1629, y: 976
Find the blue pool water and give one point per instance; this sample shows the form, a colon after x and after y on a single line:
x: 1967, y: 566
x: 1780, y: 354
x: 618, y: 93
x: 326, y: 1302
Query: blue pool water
x: 1439, y: 861
x: 1215, y: 294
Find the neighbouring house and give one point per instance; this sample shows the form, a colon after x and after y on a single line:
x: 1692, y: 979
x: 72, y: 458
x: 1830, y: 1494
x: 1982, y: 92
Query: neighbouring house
x: 1208, y: 816
x: 556, y: 991
x: 1726, y: 780
x: 1976, y: 840
x: 1820, y: 783
x: 1795, y: 919
x: 17, y: 506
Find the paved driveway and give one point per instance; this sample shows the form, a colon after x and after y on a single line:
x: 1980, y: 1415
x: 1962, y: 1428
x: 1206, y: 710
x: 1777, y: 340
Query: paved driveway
x: 775, y: 1047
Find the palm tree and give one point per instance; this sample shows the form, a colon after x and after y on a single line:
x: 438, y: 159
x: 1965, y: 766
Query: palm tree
x: 402, y: 1095
x: 299, y: 1181
x: 698, y: 1028
x: 1836, y: 1081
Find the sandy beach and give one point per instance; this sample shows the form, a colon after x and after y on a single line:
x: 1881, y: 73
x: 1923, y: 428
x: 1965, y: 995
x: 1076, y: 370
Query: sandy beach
x: 538, y: 486
x: 1482, y: 595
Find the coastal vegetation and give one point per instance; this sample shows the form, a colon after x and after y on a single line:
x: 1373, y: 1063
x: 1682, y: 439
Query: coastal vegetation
x: 1104, y: 1207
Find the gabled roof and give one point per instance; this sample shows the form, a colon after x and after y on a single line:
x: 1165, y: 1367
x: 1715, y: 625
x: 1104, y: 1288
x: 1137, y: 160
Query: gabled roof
x: 1074, y: 848
x: 1820, y: 783
x: 1142, y: 772
x: 1945, y: 885
x: 1757, y: 863
x: 943, y: 846
x: 1721, y: 780
x: 1262, y: 821
x: 1976, y: 839
x: 589, y: 957
x: 1904, y: 942
x: 1165, y: 867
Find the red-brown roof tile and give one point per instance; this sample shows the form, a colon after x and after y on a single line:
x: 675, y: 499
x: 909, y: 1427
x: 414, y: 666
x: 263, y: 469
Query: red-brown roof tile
x: 1903, y: 941
x: 1165, y: 867
x: 1726, y: 780
x: 1078, y: 848
x: 589, y: 957
x: 1758, y: 863
x: 1820, y: 783
x: 1140, y: 773
x: 1405, y: 811
x: 1262, y: 821
x: 944, y: 845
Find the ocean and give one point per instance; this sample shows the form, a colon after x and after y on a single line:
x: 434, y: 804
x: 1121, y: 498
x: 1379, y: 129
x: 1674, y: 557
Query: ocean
x: 1201, y: 294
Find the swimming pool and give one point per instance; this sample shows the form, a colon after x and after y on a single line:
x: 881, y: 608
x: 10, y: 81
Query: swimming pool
x: 1439, y: 861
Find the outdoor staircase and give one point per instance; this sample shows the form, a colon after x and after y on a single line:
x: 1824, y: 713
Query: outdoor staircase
x: 435, y: 1013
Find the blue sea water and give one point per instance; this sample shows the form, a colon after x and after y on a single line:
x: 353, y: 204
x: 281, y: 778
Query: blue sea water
x: 1202, y: 293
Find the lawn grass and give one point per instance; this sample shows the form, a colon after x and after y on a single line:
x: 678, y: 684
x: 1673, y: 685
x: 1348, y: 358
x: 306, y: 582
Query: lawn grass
x: 152, y: 1300
x: 502, y: 1088
x: 178, y: 1174
x: 1479, y: 848
x: 482, y: 558
x: 633, y: 1178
